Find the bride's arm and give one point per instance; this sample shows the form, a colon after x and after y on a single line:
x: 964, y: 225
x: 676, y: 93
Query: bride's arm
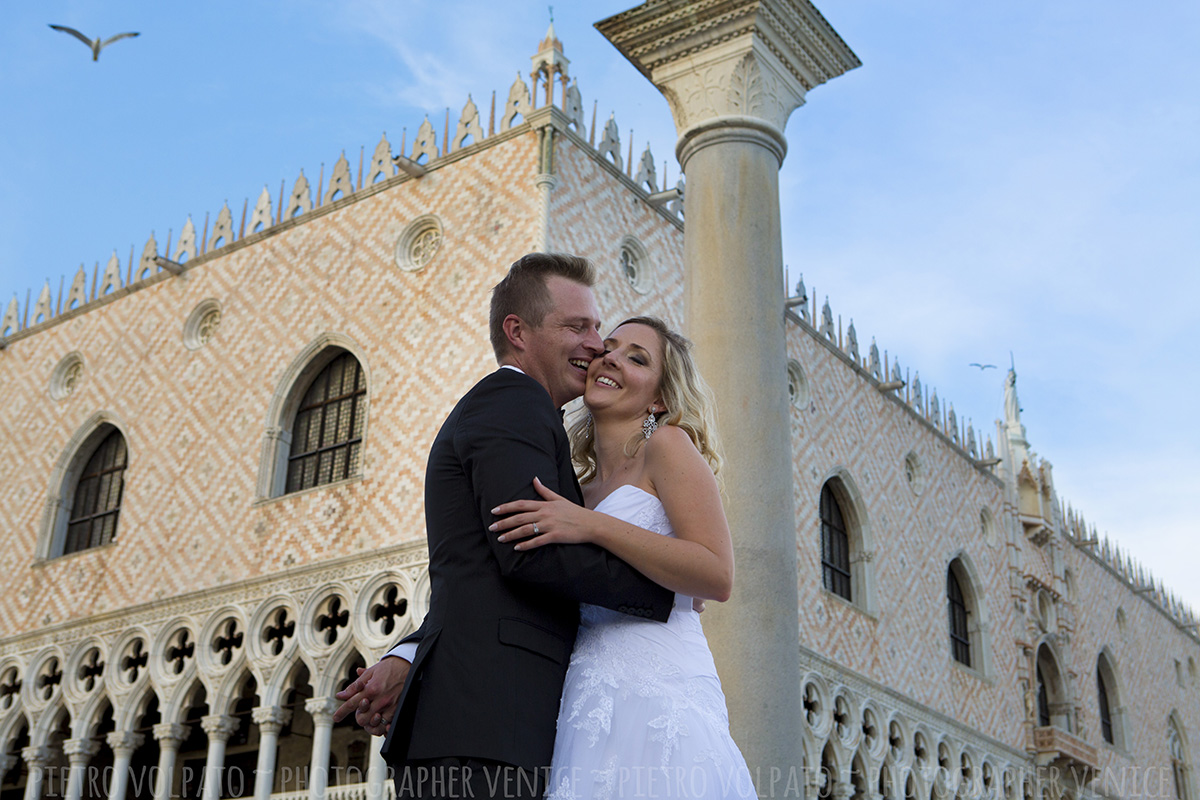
x: 698, y: 562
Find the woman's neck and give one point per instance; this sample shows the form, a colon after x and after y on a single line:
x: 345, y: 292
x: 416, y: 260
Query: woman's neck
x: 611, y: 436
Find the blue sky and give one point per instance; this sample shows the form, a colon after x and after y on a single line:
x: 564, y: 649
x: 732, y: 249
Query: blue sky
x: 1015, y: 177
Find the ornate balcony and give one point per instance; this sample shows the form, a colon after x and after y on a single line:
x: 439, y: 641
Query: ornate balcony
x: 1075, y: 758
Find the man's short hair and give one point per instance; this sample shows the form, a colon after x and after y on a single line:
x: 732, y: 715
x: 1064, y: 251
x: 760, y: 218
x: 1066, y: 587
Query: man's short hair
x: 523, y: 291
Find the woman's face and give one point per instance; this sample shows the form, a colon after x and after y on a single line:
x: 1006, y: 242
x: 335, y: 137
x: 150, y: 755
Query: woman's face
x: 625, y: 379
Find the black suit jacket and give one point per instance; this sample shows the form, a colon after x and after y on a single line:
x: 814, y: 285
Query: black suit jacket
x: 494, y: 647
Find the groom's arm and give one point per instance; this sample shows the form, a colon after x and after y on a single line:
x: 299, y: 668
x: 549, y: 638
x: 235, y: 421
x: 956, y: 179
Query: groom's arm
x: 505, y: 438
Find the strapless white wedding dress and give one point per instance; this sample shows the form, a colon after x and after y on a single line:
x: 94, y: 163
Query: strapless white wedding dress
x: 642, y: 712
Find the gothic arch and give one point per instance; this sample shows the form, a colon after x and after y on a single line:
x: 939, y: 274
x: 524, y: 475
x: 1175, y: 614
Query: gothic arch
x: 962, y: 566
x: 65, y: 475
x: 285, y: 401
x: 1177, y: 750
x: 183, y: 700
x: 331, y: 679
x: 861, y: 540
x: 135, y: 709
x: 1053, y: 702
x: 1109, y: 676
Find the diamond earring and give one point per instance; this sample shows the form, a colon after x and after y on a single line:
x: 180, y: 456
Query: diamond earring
x: 650, y: 425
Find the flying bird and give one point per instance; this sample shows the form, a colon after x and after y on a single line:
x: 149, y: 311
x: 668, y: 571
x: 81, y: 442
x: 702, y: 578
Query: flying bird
x: 95, y: 44
x: 982, y: 367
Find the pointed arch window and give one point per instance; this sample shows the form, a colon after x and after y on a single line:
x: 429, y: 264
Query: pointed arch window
x: 96, y: 505
x: 1043, y: 698
x: 1179, y: 767
x: 328, y: 430
x: 835, y: 546
x: 960, y: 630
x: 1106, y: 723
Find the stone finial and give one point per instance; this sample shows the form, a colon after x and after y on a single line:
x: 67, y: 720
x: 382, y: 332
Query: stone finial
x: 262, y: 217
x: 952, y: 425
x: 971, y: 448
x: 518, y: 103
x: 748, y: 60
x: 381, y: 161
x: 77, y: 295
x: 468, y: 125
x: 851, y: 340
x: 610, y: 143
x: 185, y: 248
x: 301, y: 200
x: 146, y: 266
x: 935, y: 411
x: 916, y: 391
x: 425, y: 142
x: 12, y: 318
x: 341, y: 181
x: 573, y: 106
x: 223, y: 230
x: 896, y: 374
x: 826, y: 328
x: 111, y: 280
x: 873, y: 365
x: 646, y: 176
x: 989, y: 450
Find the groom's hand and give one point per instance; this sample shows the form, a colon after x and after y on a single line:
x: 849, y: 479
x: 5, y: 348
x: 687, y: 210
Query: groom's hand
x: 373, y: 695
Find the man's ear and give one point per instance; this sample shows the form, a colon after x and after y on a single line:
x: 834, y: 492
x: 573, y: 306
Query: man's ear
x: 514, y: 331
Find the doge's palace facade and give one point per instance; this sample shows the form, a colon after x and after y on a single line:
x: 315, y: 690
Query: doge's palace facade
x: 211, y: 500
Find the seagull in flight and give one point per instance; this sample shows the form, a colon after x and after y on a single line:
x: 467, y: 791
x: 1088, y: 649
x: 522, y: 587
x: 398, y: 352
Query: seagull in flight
x: 982, y: 367
x: 95, y: 44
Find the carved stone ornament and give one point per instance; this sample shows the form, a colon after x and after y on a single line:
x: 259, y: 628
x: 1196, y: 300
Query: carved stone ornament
x: 743, y: 58
x: 341, y: 180
x: 12, y: 318
x: 468, y: 125
x: 425, y: 142
x: 518, y: 103
x: 610, y: 144
x: 300, y: 201
x: 186, y: 247
x: 382, y: 165
x: 261, y: 218
x: 223, y: 230
x: 76, y: 297
x: 573, y: 106
x: 646, y: 176
x: 111, y: 281
x: 146, y: 266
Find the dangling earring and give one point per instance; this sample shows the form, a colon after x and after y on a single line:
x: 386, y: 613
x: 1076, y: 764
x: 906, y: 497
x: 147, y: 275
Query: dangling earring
x: 588, y: 426
x: 650, y: 425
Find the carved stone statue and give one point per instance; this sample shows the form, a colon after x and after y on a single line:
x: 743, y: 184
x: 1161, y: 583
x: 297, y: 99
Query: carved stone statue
x: 1012, y: 408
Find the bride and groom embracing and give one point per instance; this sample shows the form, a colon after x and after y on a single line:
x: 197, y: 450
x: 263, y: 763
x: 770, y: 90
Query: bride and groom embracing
x: 562, y: 655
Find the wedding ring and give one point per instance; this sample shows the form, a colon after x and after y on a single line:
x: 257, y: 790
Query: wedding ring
x: 535, y: 528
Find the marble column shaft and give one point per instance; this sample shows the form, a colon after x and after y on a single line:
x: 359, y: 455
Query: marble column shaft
x: 376, y: 770
x: 321, y: 709
x: 79, y: 753
x: 270, y: 721
x: 123, y: 744
x: 170, y: 736
x: 219, y: 728
x: 36, y: 758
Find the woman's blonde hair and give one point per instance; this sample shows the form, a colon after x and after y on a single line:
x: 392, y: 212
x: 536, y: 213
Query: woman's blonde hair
x: 688, y: 399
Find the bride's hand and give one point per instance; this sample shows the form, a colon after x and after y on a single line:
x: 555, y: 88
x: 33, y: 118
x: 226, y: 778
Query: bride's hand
x: 552, y: 520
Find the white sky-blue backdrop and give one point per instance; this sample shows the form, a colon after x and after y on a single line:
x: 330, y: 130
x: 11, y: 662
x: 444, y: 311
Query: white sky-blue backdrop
x: 1019, y: 176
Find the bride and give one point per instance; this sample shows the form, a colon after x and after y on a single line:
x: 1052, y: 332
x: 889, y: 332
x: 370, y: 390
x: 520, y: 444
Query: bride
x: 642, y: 710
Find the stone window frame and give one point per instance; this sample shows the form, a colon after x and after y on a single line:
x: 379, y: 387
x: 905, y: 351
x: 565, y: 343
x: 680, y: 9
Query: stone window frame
x: 285, y: 402
x: 643, y: 282
x: 962, y: 566
x: 64, y: 478
x: 1177, y: 750
x: 1108, y: 675
x: 196, y: 334
x: 411, y: 235
x: 799, y: 390
x: 859, y: 533
x: 1050, y: 674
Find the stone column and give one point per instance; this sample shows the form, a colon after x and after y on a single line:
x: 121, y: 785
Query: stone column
x: 123, y: 744
x: 376, y: 770
x: 170, y: 736
x: 732, y: 73
x: 36, y: 758
x: 321, y: 709
x: 270, y: 721
x: 219, y: 728
x: 79, y: 752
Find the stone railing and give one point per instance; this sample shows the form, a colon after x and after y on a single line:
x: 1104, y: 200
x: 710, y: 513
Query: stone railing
x: 349, y: 791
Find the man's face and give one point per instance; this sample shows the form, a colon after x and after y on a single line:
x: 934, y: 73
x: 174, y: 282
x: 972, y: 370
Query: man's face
x: 558, y: 353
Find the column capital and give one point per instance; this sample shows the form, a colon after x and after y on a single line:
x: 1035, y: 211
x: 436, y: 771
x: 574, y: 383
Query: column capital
x: 741, y: 58
x: 80, y: 750
x: 124, y: 742
x: 321, y: 708
x: 171, y: 734
x: 271, y: 719
x: 219, y: 726
x: 36, y: 755
x: 6, y: 762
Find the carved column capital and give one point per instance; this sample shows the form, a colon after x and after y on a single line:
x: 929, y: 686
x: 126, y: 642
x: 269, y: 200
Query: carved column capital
x: 271, y: 719
x: 123, y: 743
x: 6, y: 762
x: 36, y: 756
x: 171, y: 734
x: 747, y: 58
x: 219, y: 726
x: 321, y: 709
x: 79, y: 751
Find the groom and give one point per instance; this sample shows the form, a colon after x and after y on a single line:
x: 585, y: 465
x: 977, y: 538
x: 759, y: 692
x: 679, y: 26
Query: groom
x: 475, y: 713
